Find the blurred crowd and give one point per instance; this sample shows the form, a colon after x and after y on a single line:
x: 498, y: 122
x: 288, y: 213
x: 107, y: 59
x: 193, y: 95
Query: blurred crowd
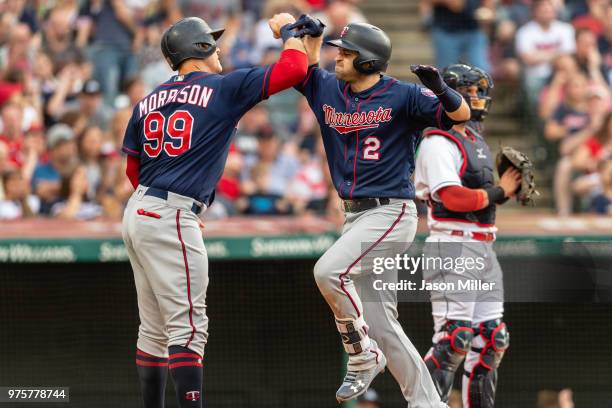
x: 71, y: 70
x: 558, y: 52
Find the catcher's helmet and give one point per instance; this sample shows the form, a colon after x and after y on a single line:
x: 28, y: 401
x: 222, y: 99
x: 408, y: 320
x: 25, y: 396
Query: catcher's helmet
x: 372, y: 44
x: 188, y: 38
x: 460, y: 75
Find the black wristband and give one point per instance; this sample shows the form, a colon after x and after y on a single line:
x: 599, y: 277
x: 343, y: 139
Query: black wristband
x: 286, y: 32
x: 496, y: 195
x: 450, y: 99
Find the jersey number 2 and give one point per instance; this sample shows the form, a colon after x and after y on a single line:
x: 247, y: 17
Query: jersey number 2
x: 371, y: 148
x: 179, y: 127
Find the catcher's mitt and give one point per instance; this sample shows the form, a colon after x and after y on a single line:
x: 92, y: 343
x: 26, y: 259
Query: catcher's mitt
x: 510, y: 157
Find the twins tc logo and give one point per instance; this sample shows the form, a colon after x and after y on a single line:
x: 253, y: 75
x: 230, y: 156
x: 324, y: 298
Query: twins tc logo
x: 192, y: 395
x: 344, y: 31
x: 351, y: 122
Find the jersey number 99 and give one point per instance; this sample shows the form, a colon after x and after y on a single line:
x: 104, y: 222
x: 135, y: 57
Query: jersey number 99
x: 178, y: 127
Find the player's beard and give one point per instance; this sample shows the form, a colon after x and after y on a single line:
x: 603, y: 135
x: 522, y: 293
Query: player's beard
x: 344, y: 76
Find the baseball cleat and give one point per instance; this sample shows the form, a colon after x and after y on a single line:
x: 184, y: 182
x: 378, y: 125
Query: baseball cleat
x: 357, y: 382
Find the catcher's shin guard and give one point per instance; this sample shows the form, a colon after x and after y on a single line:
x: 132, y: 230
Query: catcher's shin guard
x: 445, y: 356
x: 481, y: 378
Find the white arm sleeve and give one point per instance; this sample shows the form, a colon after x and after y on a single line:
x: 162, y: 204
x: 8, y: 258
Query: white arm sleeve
x: 438, y: 164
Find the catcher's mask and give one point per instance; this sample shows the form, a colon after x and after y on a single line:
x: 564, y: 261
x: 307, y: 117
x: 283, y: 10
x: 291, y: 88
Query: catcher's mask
x: 458, y: 76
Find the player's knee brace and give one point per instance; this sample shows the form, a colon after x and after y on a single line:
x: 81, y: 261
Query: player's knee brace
x: 446, y: 355
x: 354, y: 335
x: 483, y: 377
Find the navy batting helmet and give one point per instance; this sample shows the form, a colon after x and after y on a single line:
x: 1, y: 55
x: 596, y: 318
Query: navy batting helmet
x: 464, y: 75
x: 188, y: 38
x: 370, y: 42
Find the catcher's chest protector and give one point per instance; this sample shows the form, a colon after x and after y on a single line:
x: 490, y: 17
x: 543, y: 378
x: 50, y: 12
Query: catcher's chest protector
x: 476, y: 172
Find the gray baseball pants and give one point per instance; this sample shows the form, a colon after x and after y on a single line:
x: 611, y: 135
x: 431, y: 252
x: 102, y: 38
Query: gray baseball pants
x: 166, y: 250
x: 340, y: 275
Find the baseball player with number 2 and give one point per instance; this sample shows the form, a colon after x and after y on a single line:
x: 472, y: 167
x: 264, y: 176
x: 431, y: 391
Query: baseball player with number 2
x: 370, y: 124
x: 455, y: 174
x: 177, y: 142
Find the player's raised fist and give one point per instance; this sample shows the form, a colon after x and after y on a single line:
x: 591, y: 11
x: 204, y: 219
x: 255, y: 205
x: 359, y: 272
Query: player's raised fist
x: 430, y: 77
x: 278, y: 21
x: 307, y: 25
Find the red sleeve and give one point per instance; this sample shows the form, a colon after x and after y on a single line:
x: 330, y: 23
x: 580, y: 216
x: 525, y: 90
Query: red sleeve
x: 288, y: 71
x: 594, y: 146
x: 462, y: 199
x: 133, y: 170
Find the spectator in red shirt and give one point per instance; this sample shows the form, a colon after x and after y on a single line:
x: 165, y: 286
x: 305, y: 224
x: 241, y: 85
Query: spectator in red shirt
x: 12, y: 132
x: 594, y: 20
x: 229, y: 185
x: 316, y: 4
x: 596, y: 148
x: 228, y: 190
x: 9, y: 86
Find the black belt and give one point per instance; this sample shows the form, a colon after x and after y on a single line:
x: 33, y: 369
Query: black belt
x: 363, y: 204
x: 196, y: 208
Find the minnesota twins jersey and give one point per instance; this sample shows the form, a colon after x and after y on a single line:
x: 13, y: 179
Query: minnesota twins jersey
x: 182, y: 130
x: 370, y: 137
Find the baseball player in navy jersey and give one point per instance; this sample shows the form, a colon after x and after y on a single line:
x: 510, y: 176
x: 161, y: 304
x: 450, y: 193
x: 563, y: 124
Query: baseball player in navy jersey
x: 177, y: 142
x: 454, y: 173
x: 370, y: 125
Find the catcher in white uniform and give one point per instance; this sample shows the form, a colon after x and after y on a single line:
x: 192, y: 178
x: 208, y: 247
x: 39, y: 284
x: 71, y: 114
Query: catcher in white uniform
x: 454, y: 174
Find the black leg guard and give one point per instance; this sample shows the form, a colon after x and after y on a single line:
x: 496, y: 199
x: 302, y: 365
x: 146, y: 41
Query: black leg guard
x: 483, y: 378
x: 446, y: 355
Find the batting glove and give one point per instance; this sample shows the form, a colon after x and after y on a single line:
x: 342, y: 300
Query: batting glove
x: 430, y: 77
x: 308, y: 25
